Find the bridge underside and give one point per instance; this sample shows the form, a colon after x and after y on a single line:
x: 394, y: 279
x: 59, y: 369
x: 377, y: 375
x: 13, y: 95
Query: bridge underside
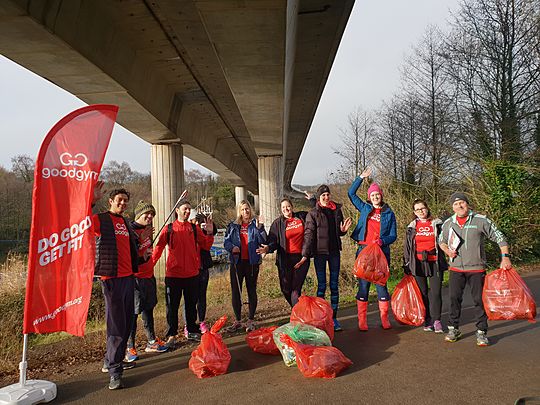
x: 234, y: 83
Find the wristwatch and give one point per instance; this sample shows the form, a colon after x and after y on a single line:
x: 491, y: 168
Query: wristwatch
x: 505, y: 255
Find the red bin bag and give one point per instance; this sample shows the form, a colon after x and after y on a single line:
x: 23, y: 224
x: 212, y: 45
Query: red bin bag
x: 506, y: 296
x: 318, y: 361
x: 262, y: 340
x: 407, y: 304
x: 371, y: 265
x: 314, y: 311
x: 211, y: 357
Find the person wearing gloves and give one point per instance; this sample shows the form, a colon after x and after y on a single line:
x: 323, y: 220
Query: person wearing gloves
x: 204, y: 272
x: 376, y: 224
x: 184, y: 241
x: 424, y: 259
x: 462, y: 238
x: 322, y: 241
x: 286, y: 237
x: 243, y: 239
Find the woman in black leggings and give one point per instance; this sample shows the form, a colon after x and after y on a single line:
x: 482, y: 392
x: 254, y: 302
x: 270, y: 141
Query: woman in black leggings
x: 286, y: 237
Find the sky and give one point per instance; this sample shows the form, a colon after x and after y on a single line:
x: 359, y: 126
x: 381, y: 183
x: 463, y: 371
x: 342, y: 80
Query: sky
x: 365, y: 73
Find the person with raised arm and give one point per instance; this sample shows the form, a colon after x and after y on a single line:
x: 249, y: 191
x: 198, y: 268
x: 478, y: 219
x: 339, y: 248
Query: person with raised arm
x: 376, y: 224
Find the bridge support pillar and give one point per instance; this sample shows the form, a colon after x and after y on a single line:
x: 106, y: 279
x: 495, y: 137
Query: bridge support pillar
x: 256, y: 205
x: 270, y: 187
x: 240, y: 194
x: 167, y: 173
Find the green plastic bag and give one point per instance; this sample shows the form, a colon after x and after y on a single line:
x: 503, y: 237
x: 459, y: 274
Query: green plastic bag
x: 300, y: 333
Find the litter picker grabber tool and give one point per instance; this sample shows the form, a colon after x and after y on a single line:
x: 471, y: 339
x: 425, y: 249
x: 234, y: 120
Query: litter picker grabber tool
x: 183, y: 195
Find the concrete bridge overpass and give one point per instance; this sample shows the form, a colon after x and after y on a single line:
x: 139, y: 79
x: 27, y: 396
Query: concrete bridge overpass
x: 231, y: 84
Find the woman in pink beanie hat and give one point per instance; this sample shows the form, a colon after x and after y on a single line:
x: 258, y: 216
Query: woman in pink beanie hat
x: 376, y: 224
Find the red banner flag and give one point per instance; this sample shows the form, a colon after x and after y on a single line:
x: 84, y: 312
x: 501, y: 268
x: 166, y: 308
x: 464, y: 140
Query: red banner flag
x: 62, y: 245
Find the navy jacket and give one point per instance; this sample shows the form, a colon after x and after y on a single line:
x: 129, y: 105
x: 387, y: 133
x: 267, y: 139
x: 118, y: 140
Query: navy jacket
x: 256, y: 237
x: 388, y: 219
x: 106, y: 262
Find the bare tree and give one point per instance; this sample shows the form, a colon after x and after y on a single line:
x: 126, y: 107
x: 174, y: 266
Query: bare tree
x: 496, y: 67
x: 23, y: 167
x: 356, y: 141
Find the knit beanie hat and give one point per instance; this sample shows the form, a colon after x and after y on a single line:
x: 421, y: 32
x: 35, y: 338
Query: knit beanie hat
x: 142, y: 208
x: 323, y: 188
x: 374, y: 187
x: 458, y: 195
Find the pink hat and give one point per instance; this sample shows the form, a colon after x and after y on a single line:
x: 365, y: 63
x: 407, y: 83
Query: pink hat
x: 374, y: 187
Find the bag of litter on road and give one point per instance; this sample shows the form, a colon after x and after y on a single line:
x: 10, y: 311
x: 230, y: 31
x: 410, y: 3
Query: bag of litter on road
x: 314, y: 311
x: 506, y: 297
x: 317, y: 361
x: 262, y: 340
x: 407, y: 304
x: 211, y: 357
x: 301, y: 333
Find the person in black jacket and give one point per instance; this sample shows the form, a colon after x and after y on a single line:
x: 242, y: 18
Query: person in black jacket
x: 424, y: 259
x: 116, y: 262
x: 204, y: 274
x: 322, y: 240
x: 286, y: 237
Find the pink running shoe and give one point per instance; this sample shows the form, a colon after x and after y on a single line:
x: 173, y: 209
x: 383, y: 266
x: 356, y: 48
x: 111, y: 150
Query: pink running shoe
x: 203, y: 327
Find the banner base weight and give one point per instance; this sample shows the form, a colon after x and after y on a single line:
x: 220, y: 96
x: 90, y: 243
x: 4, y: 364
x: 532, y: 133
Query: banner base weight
x: 33, y: 392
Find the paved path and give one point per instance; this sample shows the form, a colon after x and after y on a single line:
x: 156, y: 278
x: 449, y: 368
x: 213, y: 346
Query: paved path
x: 401, y: 366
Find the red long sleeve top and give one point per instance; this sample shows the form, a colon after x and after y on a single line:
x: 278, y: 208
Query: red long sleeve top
x: 183, y: 259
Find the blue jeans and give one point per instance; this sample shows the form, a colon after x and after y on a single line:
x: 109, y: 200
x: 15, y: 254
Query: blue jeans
x: 363, y: 285
x: 333, y: 260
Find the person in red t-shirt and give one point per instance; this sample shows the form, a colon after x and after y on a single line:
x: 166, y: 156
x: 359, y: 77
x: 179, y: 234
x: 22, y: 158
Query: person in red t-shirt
x: 116, y: 262
x: 243, y: 240
x: 286, y: 236
x: 184, y: 240
x: 376, y: 224
x: 145, y: 285
x: 424, y: 259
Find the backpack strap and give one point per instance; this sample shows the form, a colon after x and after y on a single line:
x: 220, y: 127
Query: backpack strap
x: 169, y: 233
x: 194, y: 227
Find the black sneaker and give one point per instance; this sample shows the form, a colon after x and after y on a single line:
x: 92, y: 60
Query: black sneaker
x: 125, y: 366
x: 115, y: 383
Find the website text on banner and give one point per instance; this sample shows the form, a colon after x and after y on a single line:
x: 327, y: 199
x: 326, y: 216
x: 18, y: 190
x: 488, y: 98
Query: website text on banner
x: 62, y: 248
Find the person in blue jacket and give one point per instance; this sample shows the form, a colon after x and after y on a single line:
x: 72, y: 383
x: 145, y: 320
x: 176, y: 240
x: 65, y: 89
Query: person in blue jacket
x: 376, y: 224
x: 243, y: 240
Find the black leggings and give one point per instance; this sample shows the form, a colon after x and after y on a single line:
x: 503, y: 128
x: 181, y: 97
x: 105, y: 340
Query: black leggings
x: 431, y: 297
x: 291, y: 280
x: 204, y: 275
x: 238, y: 272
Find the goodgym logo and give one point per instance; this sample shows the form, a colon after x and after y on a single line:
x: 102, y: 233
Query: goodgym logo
x: 70, y: 167
x: 121, y: 229
x: 79, y: 159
